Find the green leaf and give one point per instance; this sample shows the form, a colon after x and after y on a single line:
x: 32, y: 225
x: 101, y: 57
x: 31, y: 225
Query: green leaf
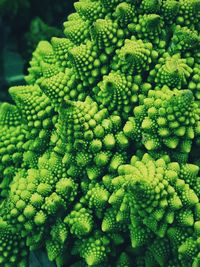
x: 39, y: 259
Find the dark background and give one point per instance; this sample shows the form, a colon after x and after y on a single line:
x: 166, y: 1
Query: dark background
x: 23, y: 23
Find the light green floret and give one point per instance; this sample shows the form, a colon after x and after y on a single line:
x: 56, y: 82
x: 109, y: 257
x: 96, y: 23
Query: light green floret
x: 38, y: 195
x: 125, y: 13
x: 55, y: 245
x: 12, y: 135
x: 80, y: 222
x: 73, y: 17
x: 55, y: 87
x: 188, y: 13
x: 76, y: 30
x: 96, y: 197
x: 66, y: 188
x: 148, y: 28
x: 109, y: 223
x: 43, y: 53
x: 150, y: 6
x: 158, y: 253
x: 135, y: 56
x: 87, y: 131
x: 61, y: 47
x: 54, y: 250
x: 107, y: 34
x: 88, y: 62
x: 30, y: 159
x: 194, y: 84
x: 190, y: 172
x: 184, y: 39
x: 170, y: 9
x: 172, y: 71
x: 156, y: 191
x: 9, y: 115
x: 53, y: 204
x: 118, y: 93
x: 90, y: 10
x: 13, y: 250
x: 12, y: 138
x: 189, y: 249
x: 38, y: 113
x: 48, y: 70
x: 110, y: 4
x: 34, y: 106
x: 120, y: 201
x: 51, y: 162
x: 94, y: 249
x: 165, y: 120
x: 78, y: 122
x: 123, y: 260
x: 63, y: 86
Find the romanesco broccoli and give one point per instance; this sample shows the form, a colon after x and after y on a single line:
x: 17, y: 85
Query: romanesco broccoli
x: 99, y: 158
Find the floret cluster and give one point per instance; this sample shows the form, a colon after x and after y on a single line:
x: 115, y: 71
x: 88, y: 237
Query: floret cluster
x: 99, y: 154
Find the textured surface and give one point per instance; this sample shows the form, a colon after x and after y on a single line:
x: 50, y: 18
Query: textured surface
x: 99, y: 154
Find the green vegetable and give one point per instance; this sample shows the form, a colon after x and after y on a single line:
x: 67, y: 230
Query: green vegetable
x: 99, y: 152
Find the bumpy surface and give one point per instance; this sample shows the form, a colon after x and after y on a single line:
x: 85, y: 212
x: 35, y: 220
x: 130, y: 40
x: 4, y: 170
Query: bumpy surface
x: 99, y: 158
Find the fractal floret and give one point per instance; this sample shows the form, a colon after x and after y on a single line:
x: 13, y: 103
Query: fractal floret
x: 99, y: 151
